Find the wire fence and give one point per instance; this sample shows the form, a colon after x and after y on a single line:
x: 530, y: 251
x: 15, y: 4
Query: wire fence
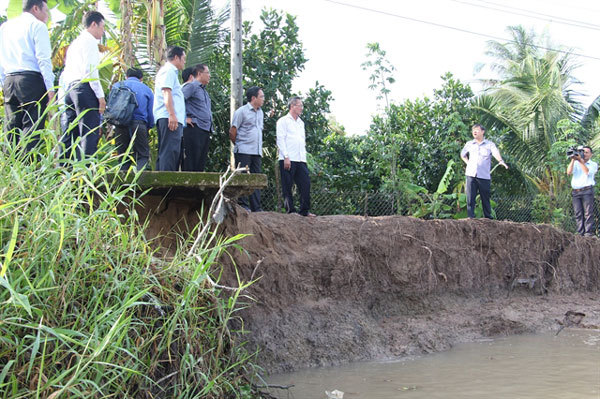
x: 534, y: 209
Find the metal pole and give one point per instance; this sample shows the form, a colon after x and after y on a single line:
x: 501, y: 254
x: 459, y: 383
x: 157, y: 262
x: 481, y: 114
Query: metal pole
x: 236, y: 62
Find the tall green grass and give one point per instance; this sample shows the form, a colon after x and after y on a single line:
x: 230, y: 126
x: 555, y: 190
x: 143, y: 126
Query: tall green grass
x: 88, y: 307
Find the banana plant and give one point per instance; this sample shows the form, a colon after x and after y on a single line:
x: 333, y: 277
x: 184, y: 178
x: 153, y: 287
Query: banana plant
x: 437, y: 205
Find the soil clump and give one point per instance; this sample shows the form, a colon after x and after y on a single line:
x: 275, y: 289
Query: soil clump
x: 335, y: 289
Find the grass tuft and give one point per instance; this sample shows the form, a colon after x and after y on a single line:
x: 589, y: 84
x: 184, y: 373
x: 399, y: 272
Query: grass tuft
x: 88, y: 308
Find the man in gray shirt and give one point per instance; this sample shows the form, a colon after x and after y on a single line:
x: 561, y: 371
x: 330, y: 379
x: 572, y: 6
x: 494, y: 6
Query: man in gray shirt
x: 196, y: 134
x: 246, y: 134
x: 477, y: 154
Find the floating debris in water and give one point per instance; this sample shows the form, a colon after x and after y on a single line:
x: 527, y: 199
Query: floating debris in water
x: 335, y: 394
x: 408, y: 388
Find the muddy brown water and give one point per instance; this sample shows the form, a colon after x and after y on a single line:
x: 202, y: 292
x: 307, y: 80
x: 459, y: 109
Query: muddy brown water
x: 525, y: 367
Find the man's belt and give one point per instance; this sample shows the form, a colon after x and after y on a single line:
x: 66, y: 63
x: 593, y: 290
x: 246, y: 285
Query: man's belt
x: 576, y: 190
x: 24, y: 73
x: 73, y: 84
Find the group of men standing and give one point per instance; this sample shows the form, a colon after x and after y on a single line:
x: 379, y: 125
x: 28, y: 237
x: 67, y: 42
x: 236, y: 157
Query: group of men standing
x: 181, y: 112
x: 183, y: 116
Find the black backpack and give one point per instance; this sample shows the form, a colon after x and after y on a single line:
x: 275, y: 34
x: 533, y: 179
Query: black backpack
x: 120, y: 106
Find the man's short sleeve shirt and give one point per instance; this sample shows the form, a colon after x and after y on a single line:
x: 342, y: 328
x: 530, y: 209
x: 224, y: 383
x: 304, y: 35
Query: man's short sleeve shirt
x: 168, y: 77
x: 480, y: 158
x: 580, y: 179
x: 249, y: 124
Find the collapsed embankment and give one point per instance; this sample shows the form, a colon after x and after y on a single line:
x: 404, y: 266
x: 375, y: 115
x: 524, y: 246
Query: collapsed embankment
x: 335, y: 289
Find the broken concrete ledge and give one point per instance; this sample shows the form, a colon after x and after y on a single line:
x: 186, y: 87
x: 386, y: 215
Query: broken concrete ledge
x: 196, y: 184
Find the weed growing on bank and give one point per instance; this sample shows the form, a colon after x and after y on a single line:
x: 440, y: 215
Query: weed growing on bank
x: 88, y: 309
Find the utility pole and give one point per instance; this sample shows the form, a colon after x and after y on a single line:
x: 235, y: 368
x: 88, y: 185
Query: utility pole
x: 236, y: 62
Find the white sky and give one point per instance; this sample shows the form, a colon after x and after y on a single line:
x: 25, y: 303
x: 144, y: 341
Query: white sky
x: 335, y: 37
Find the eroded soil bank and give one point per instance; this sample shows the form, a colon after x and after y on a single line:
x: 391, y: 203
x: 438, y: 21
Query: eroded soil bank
x: 335, y: 289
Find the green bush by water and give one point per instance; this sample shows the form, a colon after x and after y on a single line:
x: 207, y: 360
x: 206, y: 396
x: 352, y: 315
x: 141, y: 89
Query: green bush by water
x: 88, y: 309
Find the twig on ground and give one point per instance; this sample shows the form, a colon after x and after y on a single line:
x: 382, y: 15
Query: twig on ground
x: 256, y: 268
x: 268, y: 386
x: 216, y: 204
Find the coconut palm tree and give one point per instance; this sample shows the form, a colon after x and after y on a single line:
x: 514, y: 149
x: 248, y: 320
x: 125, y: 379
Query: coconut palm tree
x: 191, y: 24
x: 532, y: 94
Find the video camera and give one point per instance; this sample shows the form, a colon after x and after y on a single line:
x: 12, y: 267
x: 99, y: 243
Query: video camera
x: 574, y: 151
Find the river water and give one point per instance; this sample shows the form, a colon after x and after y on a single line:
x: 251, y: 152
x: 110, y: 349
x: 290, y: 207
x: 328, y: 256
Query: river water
x: 519, y: 367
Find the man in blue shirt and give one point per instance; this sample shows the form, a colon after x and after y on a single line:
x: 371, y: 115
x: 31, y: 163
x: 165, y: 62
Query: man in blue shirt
x: 246, y: 133
x: 26, y: 70
x: 199, y: 122
x: 169, y: 110
x: 477, y: 154
x: 582, y: 183
x: 143, y: 119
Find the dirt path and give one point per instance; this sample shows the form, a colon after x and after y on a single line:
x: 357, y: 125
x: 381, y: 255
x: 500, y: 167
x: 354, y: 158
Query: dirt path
x: 336, y: 289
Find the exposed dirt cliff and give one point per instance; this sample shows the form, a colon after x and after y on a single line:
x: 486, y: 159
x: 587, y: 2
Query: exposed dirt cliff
x: 335, y: 289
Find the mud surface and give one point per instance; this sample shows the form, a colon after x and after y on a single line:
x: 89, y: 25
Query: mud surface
x: 335, y: 289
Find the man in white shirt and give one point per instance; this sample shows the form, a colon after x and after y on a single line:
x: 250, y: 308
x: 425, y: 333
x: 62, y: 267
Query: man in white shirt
x: 582, y: 183
x: 291, y: 142
x: 26, y: 70
x: 84, y: 92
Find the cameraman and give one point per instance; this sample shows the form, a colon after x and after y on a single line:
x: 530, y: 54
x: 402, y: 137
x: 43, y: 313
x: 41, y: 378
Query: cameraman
x: 582, y: 182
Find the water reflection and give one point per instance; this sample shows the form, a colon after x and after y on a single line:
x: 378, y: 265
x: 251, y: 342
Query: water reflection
x: 525, y: 367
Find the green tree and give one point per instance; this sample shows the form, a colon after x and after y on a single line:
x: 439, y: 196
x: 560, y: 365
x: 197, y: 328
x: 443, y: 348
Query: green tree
x: 426, y: 133
x: 272, y: 59
x: 381, y: 78
x: 533, y: 93
x: 381, y: 69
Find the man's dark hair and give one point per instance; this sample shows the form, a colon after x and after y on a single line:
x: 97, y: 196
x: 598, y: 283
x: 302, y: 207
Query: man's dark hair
x: 92, y: 16
x: 479, y: 126
x: 252, y: 92
x: 174, y: 51
x: 186, y: 73
x: 589, y: 148
x: 199, y: 69
x: 28, y: 4
x: 135, y: 73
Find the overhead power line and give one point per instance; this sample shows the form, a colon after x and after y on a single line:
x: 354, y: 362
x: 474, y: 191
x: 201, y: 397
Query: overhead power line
x: 389, y: 14
x: 570, y: 5
x: 531, y: 14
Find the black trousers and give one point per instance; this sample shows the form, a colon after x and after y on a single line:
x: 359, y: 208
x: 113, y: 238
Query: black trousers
x: 483, y: 187
x: 82, y: 103
x: 195, y: 148
x: 140, y: 149
x: 298, y: 173
x: 254, y: 163
x: 583, y: 207
x: 24, y: 104
x: 169, y: 146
